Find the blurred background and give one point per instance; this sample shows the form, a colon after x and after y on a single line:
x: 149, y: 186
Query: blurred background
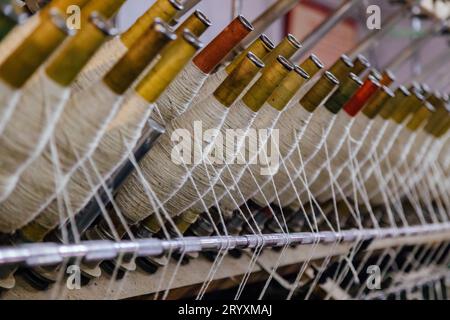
x: 309, y: 13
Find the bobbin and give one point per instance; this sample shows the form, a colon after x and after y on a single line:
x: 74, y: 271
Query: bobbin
x: 203, y: 18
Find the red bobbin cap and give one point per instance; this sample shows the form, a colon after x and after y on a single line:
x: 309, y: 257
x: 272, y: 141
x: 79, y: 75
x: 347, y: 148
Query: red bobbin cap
x: 360, y: 98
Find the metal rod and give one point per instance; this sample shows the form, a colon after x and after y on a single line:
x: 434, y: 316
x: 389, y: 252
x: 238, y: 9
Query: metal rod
x: 432, y: 66
x: 443, y: 82
x: 397, y: 61
x: 273, y: 13
x: 187, y: 6
x: 86, y: 217
x: 236, y: 8
x: 52, y: 253
x: 330, y: 22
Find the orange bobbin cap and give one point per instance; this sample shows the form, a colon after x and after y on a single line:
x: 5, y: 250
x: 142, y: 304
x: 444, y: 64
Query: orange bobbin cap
x: 223, y: 44
x: 388, y: 77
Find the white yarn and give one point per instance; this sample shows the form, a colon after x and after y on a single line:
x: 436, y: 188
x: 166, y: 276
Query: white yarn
x: 405, y: 141
x: 336, y: 137
x: 424, y: 155
x: 164, y: 176
x: 443, y: 165
x: 423, y: 148
x: 359, y: 130
x: 208, y: 87
x: 390, y: 135
x: 422, y: 151
x: 367, y: 150
x: 179, y: 94
x: 76, y: 136
x: 430, y: 156
x: 100, y: 64
x: 8, y: 100
x: 124, y: 130
x: 17, y: 35
x: 29, y: 128
x: 444, y: 155
x: 271, y: 194
x: 84, y: 122
x: 411, y: 177
x: 207, y: 174
x: 228, y: 187
x: 315, y: 135
x: 292, y: 125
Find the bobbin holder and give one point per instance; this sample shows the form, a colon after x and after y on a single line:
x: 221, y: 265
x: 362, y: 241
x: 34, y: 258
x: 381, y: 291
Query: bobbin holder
x: 86, y: 217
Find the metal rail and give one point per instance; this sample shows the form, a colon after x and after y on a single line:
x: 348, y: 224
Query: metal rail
x: 330, y: 22
x: 86, y: 217
x: 406, y: 53
x: 52, y: 253
x: 433, y: 66
x: 187, y: 6
x: 273, y: 13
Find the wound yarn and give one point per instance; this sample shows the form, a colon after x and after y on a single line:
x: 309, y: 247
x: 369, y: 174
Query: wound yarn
x: 228, y: 188
x: 338, y: 130
x: 386, y: 143
x: 367, y: 150
x: 76, y: 136
x: 315, y: 135
x: 397, y: 157
x: 164, y: 176
x: 122, y: 133
x: 358, y: 132
x: 178, y: 96
x: 208, y: 87
x: 9, y: 98
x: 292, y: 126
x: 206, y: 175
x: 29, y: 129
x: 100, y: 64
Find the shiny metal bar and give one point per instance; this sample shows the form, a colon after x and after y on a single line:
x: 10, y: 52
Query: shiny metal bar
x: 236, y: 8
x: 330, y: 22
x: 397, y: 61
x: 433, y: 67
x: 273, y: 13
x: 187, y: 6
x: 52, y: 253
